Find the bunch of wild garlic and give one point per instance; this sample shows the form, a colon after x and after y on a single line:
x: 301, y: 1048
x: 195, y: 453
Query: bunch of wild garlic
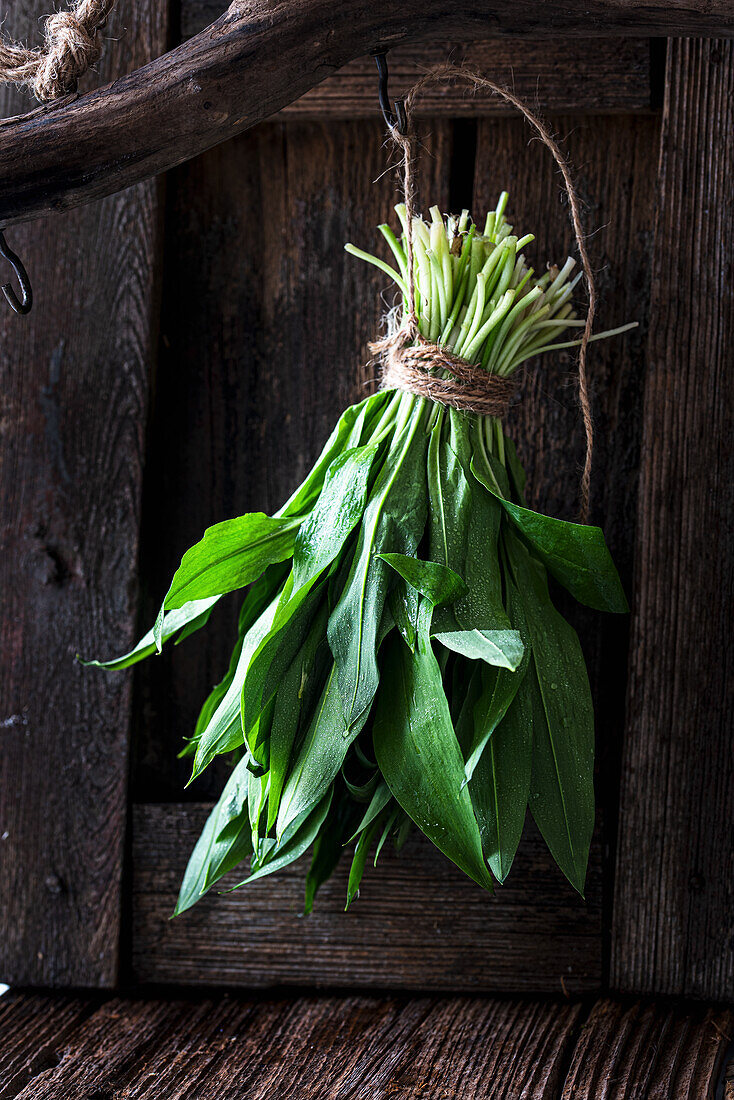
x: 399, y: 660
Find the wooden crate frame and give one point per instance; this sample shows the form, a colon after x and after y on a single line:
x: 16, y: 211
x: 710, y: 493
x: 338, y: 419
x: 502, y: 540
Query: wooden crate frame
x: 64, y: 806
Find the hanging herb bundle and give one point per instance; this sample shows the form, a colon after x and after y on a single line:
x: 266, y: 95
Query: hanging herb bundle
x: 399, y: 659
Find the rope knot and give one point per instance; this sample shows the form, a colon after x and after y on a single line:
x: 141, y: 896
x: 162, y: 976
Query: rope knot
x: 434, y: 372
x: 71, y: 46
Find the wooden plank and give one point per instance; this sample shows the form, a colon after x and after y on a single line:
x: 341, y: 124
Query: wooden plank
x: 268, y: 320
x: 351, y: 1047
x: 616, y: 177
x: 313, y: 1047
x: 74, y: 385
x: 567, y: 74
x: 33, y: 1029
x: 535, y: 935
x: 675, y: 872
x: 254, y: 60
x: 651, y: 1050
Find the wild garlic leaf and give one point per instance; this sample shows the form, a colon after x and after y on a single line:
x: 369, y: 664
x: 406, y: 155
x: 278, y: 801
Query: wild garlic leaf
x: 353, y: 425
x: 419, y: 755
x: 503, y: 648
x: 259, y: 595
x: 358, y: 861
x: 464, y: 529
x: 280, y: 856
x: 335, y: 515
x: 437, y: 582
x: 393, y: 521
x: 320, y: 757
x: 500, y: 786
x: 230, y: 555
x: 327, y: 851
x: 225, y: 841
x: 403, y: 603
x: 557, y: 690
x: 224, y: 731
x: 378, y: 802
x: 192, y: 616
x: 270, y: 661
x: 574, y: 553
x: 297, y: 695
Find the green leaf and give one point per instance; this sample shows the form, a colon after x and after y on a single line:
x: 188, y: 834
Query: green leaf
x: 358, y: 861
x: 281, y: 855
x: 557, y: 690
x: 260, y: 594
x: 270, y: 662
x: 419, y: 755
x: 499, y: 688
x: 352, y: 427
x: 298, y: 692
x: 403, y: 604
x: 380, y: 799
x: 337, y: 512
x: 503, y: 648
x: 575, y: 554
x: 224, y: 842
x: 436, y: 582
x: 464, y: 529
x: 188, y: 618
x: 224, y: 731
x: 327, y: 851
x: 320, y: 756
x: 229, y: 556
x: 393, y: 521
x: 500, y: 786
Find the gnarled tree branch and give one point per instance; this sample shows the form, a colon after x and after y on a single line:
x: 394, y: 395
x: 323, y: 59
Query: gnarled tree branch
x: 258, y: 57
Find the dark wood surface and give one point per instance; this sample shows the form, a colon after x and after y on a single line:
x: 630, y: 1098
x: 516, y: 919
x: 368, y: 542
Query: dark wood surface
x: 357, y: 1048
x: 419, y: 924
x: 649, y: 1050
x: 568, y: 74
x: 672, y: 928
x: 258, y: 57
x: 74, y: 379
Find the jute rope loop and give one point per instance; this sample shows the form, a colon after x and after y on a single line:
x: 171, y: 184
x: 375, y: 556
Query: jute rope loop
x: 71, y: 46
x: 399, y: 357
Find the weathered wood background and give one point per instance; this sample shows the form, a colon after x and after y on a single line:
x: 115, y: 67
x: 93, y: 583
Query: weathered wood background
x: 191, y: 344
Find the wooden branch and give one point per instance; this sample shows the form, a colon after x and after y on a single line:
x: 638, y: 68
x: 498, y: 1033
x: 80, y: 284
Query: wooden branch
x: 256, y: 58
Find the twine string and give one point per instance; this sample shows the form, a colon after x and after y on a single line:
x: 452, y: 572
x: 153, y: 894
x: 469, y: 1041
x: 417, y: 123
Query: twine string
x: 406, y: 143
x: 71, y: 45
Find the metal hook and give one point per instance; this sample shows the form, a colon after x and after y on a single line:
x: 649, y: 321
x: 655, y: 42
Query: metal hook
x: 23, y: 305
x: 397, y: 121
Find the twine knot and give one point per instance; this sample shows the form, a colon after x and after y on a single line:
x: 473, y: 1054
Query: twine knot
x: 434, y: 372
x: 71, y: 46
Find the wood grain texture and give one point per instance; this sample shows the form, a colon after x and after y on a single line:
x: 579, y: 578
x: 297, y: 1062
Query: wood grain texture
x: 616, y: 178
x: 33, y: 1030
x: 333, y: 1049
x: 265, y: 326
x: 74, y: 394
x: 536, y: 934
x: 354, y: 1048
x: 651, y: 1050
x: 675, y: 874
x: 568, y: 74
x: 257, y: 57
